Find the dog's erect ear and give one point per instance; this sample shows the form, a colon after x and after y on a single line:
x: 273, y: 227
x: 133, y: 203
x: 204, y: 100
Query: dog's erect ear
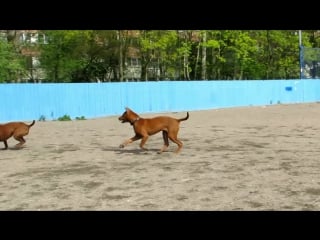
x: 128, y: 109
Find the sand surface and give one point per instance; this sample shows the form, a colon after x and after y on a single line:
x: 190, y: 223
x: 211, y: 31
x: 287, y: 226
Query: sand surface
x: 248, y: 158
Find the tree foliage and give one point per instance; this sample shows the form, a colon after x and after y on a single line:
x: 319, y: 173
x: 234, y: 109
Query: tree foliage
x: 11, y: 63
x: 108, y: 55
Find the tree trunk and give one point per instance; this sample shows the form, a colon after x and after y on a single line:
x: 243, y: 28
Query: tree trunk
x: 204, y: 57
x: 55, y: 73
x: 120, y: 40
x: 197, y: 60
x: 185, y: 67
x: 143, y: 70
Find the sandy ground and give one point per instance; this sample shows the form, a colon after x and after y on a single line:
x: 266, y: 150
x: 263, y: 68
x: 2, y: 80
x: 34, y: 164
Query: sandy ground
x: 250, y: 158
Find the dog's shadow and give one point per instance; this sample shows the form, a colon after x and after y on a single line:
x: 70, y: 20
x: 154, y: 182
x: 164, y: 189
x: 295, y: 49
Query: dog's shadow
x: 13, y: 148
x: 130, y: 151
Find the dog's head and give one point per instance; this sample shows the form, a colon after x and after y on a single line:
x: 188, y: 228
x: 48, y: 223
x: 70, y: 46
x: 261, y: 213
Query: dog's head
x: 123, y: 118
x: 128, y: 116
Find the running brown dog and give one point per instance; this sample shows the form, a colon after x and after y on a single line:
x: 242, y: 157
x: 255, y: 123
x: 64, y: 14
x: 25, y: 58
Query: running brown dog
x: 145, y: 127
x: 16, y: 129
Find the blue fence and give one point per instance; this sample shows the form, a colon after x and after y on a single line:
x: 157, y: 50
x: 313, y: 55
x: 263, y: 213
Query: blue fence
x: 23, y: 102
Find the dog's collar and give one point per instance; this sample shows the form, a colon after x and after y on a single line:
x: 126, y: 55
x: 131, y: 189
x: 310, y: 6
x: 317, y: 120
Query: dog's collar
x: 134, y: 120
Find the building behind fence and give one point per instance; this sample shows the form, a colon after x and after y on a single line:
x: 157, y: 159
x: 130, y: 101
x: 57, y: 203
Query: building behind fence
x: 310, y: 63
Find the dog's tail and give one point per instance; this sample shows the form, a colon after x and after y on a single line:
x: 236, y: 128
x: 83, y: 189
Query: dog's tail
x: 31, y: 124
x: 183, y: 119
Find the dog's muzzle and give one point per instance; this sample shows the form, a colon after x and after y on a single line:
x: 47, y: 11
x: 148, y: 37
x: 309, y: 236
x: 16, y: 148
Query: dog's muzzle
x: 122, y: 120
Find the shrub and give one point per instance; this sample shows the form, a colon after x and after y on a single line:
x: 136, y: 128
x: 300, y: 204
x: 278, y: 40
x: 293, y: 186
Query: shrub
x: 64, y: 118
x: 80, y: 118
x: 42, y: 118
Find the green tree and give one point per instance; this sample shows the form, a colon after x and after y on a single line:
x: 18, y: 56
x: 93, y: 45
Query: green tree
x: 99, y: 54
x: 184, y: 52
x: 64, y: 54
x: 278, y: 54
x: 12, y: 64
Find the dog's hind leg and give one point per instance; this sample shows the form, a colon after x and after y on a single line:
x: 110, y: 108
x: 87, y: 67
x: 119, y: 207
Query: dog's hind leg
x: 5, y: 145
x: 174, y: 139
x: 165, y: 140
x: 20, y: 139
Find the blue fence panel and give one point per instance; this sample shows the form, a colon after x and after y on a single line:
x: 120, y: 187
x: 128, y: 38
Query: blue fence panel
x: 311, y: 91
x: 22, y: 102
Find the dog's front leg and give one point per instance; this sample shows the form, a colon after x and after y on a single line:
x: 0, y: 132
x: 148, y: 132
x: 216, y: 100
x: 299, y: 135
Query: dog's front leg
x: 130, y: 140
x: 143, y: 141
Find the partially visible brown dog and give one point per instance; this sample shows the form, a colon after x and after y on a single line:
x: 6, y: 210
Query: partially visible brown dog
x: 16, y: 129
x: 145, y: 127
